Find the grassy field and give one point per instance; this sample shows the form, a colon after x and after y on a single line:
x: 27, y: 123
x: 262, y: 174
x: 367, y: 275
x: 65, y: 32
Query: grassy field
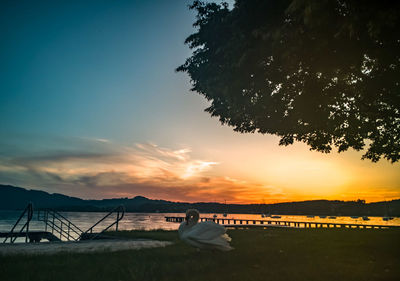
x: 272, y: 254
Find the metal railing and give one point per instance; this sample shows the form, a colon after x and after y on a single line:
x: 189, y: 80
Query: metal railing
x: 119, y: 211
x: 59, y: 225
x: 29, y: 212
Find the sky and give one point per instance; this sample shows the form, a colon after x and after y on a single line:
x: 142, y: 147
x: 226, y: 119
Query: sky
x: 91, y: 106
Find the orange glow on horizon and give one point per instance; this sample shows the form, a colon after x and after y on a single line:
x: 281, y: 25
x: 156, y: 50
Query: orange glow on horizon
x: 257, y: 174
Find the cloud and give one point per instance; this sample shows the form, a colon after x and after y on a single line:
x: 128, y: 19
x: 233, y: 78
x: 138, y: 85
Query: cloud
x: 97, y: 168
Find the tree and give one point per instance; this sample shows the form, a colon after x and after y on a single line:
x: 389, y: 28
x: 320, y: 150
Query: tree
x: 322, y: 72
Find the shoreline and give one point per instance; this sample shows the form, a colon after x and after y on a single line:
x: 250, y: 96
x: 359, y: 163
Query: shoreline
x: 51, y: 248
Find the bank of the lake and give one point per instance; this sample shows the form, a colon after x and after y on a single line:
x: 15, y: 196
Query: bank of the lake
x: 151, y: 221
x: 270, y: 254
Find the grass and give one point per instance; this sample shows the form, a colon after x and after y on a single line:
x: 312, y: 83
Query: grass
x: 271, y: 254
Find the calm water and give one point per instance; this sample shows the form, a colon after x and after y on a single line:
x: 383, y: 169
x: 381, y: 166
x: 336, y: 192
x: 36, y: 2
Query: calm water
x: 149, y: 221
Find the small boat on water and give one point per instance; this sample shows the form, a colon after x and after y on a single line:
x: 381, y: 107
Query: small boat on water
x: 354, y: 217
x: 225, y: 214
x: 387, y: 218
x: 322, y: 217
x: 365, y: 218
x: 275, y: 217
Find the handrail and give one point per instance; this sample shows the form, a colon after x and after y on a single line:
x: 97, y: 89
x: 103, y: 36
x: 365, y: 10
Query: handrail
x: 60, y: 217
x: 55, y: 221
x: 120, y: 214
x: 29, y: 209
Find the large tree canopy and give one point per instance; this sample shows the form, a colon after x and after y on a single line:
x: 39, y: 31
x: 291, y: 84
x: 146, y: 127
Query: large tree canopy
x: 323, y: 72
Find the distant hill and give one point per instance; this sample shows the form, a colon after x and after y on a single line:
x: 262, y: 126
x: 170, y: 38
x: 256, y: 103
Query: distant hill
x: 14, y: 198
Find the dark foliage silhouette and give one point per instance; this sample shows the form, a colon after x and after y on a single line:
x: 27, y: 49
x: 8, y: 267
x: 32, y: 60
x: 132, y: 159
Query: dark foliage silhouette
x: 325, y: 73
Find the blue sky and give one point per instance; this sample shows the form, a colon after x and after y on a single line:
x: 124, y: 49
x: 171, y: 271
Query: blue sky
x: 94, y: 68
x: 91, y: 106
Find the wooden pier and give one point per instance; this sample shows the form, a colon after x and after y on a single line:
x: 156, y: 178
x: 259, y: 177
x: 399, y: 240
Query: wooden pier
x: 245, y: 223
x: 33, y: 236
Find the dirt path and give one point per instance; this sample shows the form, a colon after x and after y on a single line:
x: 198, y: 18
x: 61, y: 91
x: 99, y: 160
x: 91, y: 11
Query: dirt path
x: 78, y: 247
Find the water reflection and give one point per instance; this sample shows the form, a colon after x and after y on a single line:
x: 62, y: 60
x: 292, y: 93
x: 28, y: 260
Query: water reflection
x: 151, y: 221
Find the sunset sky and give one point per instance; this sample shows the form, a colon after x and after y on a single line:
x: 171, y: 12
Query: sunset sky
x: 91, y: 106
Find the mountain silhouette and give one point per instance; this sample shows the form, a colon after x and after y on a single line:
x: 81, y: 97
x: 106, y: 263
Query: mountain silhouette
x: 16, y: 198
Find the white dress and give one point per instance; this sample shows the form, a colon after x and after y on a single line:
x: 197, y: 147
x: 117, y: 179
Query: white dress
x: 205, y: 235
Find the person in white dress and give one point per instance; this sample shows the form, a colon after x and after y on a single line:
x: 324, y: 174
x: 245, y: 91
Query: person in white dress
x: 204, y: 235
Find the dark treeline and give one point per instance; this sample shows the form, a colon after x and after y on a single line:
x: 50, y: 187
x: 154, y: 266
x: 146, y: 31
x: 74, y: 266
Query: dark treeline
x: 15, y: 198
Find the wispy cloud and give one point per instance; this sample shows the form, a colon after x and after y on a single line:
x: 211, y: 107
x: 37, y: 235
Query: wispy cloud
x: 100, y: 168
x: 97, y: 168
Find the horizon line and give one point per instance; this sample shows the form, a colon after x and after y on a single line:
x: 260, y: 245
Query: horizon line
x: 199, y: 202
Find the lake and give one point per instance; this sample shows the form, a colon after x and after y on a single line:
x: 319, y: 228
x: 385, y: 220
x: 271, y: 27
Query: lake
x: 151, y: 221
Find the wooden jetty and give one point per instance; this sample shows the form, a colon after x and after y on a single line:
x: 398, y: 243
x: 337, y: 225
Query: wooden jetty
x: 60, y: 228
x: 32, y: 236
x: 245, y: 223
